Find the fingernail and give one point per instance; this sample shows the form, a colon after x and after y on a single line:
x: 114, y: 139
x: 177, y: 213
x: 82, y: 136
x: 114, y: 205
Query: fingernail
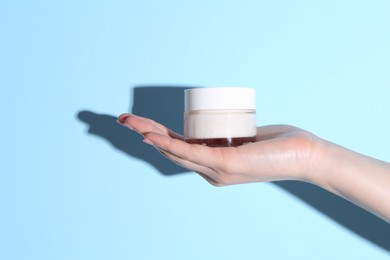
x: 122, y: 118
x: 126, y: 125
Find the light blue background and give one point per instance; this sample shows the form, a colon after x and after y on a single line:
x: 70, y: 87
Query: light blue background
x: 67, y: 194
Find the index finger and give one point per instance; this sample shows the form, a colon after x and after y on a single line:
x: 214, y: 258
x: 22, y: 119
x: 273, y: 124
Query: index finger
x: 145, y: 125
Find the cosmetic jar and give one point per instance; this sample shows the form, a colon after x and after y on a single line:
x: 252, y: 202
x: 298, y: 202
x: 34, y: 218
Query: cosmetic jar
x: 220, y: 117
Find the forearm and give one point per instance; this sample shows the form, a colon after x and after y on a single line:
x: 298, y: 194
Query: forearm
x: 356, y: 177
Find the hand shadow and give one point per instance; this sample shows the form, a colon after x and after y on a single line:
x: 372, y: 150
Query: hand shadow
x: 165, y: 104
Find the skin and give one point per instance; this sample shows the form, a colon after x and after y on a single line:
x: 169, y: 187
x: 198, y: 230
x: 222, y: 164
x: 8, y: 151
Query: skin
x: 281, y: 152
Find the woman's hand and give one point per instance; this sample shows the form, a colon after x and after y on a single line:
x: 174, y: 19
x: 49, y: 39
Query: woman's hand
x: 280, y: 152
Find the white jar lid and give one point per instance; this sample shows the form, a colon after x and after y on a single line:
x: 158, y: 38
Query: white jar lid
x: 220, y: 98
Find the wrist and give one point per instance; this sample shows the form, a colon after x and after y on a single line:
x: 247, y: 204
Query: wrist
x: 332, y: 164
x: 321, y: 161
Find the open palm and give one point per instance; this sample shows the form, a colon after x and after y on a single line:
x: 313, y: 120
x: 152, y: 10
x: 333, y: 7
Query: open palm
x: 280, y: 152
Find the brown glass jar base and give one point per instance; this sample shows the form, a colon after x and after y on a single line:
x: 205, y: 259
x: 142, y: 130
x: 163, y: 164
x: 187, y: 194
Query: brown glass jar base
x: 222, y: 142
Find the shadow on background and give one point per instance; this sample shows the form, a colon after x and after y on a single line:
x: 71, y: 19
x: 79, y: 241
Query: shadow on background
x: 165, y: 104
x: 342, y: 211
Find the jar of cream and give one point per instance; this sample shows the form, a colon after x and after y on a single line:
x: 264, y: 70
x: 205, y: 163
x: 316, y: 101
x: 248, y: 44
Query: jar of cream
x: 220, y: 117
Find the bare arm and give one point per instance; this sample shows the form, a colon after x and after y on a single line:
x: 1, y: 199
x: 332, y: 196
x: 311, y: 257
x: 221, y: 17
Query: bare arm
x: 281, y: 152
x: 356, y: 177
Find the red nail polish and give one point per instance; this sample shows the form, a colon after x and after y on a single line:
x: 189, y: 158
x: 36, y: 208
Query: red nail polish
x: 122, y: 118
